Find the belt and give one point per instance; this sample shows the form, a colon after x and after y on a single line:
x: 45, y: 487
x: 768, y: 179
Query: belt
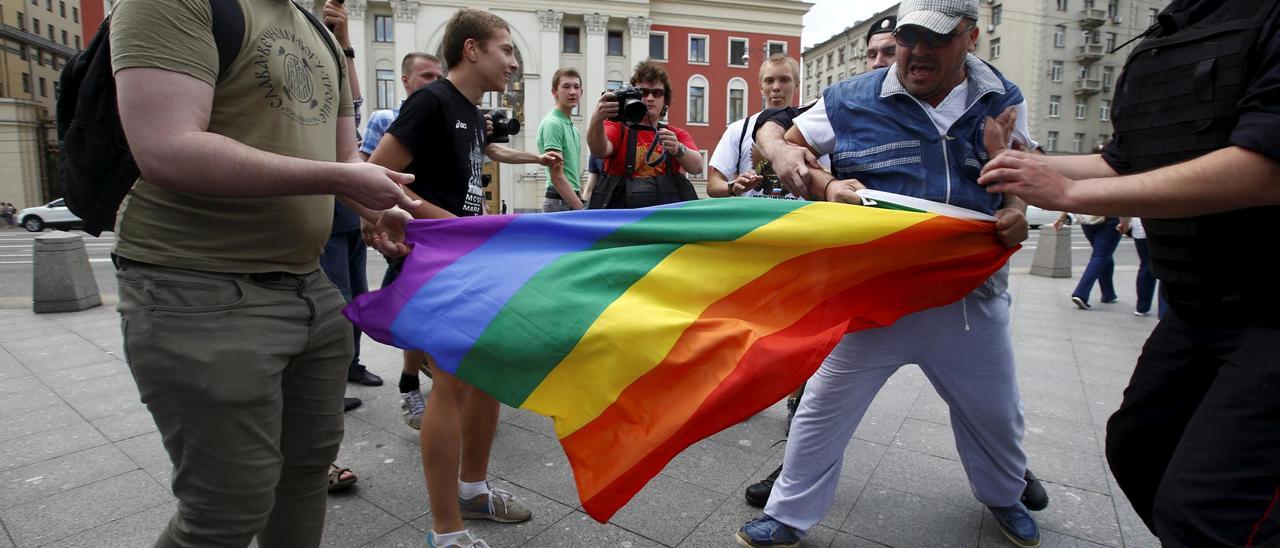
x: 553, y: 194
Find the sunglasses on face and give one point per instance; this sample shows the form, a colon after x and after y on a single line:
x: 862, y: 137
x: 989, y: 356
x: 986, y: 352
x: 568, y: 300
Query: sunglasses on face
x: 911, y: 35
x: 652, y: 92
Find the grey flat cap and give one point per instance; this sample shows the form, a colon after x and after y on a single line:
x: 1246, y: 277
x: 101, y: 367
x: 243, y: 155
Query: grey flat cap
x: 940, y: 16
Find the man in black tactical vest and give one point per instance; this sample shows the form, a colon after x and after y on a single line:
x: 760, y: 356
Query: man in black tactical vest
x: 1195, y: 444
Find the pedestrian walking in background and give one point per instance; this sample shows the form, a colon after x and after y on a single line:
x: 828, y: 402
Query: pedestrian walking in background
x: 1103, y: 239
x: 1146, y: 282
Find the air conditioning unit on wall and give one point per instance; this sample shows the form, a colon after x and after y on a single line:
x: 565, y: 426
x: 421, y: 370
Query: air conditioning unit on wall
x: 991, y: 28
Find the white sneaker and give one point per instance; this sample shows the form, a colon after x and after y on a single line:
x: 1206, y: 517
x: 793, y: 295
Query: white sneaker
x: 465, y: 541
x: 411, y: 407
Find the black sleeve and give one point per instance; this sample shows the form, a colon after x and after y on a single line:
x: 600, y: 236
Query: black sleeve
x: 1259, y: 126
x: 780, y: 116
x: 419, y: 116
x: 1115, y: 156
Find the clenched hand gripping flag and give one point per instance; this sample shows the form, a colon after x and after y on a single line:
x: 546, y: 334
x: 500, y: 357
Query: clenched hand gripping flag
x: 643, y: 331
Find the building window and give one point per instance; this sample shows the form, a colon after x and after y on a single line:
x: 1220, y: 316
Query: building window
x: 75, y: 14
x: 831, y: 61
x: 64, y: 38
x: 1108, y: 74
x: 383, y: 29
x: 57, y: 90
x: 386, y: 88
x: 1060, y: 36
x: 48, y: 5
x: 697, y: 100
x: 1051, y: 144
x: 995, y: 48
x: 570, y: 40
x: 738, y: 52
x: 26, y: 83
x: 1062, y: 5
x: 39, y: 56
x: 44, y: 89
x: 1151, y: 16
x: 77, y: 41
x: 1082, y: 109
x: 658, y: 46
x: 35, y: 26
x: 1103, y: 139
x: 737, y: 100
x: 997, y: 13
x: 701, y: 176
x: 1104, y: 111
x: 1055, y: 71
x: 1113, y: 9
x: 1111, y: 42
x: 1055, y: 106
x: 22, y: 22
x: 840, y: 54
x: 698, y: 49
x: 51, y: 38
x: 62, y: 9
x: 615, y: 43
x: 1077, y: 143
x: 774, y: 48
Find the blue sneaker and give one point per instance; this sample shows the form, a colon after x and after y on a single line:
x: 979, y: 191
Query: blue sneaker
x: 1017, y: 525
x: 766, y: 531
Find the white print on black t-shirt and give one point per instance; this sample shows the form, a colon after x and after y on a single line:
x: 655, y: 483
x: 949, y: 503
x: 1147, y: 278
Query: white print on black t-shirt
x: 475, y: 188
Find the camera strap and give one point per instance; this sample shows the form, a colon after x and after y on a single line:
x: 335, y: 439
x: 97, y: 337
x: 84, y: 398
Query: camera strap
x: 653, y: 145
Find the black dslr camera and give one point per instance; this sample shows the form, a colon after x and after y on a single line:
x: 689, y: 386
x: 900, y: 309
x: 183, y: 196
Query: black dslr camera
x: 503, y: 127
x: 631, y: 109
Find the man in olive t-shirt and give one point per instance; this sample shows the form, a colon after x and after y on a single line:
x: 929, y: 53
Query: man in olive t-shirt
x: 233, y: 335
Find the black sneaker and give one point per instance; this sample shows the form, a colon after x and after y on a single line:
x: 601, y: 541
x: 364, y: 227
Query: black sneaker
x: 365, y: 377
x: 1034, y: 496
x: 758, y: 493
x: 792, y: 405
x: 350, y: 403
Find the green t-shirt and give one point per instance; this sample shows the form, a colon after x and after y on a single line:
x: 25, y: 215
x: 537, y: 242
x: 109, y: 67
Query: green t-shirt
x: 283, y: 94
x: 557, y: 132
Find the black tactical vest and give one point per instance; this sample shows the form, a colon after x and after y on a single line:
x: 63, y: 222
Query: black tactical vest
x: 1176, y: 100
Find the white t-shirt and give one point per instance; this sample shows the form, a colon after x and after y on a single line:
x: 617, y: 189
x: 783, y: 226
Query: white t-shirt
x: 816, y: 126
x: 733, y: 157
x: 1139, y: 233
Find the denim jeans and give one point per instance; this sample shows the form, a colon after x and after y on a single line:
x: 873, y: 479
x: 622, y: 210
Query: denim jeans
x: 1147, y: 280
x: 343, y: 262
x: 1103, y: 238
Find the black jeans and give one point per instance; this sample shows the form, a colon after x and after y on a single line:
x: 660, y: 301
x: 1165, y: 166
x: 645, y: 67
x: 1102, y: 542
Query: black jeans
x: 1196, y: 443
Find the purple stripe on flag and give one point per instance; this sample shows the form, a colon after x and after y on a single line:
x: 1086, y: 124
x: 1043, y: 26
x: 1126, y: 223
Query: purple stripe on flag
x: 436, y: 245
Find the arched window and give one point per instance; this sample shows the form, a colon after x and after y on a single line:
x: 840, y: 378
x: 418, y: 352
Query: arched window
x: 697, y: 94
x: 737, y: 100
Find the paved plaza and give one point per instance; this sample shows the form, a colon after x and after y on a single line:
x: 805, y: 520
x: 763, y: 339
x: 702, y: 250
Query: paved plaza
x: 81, y: 463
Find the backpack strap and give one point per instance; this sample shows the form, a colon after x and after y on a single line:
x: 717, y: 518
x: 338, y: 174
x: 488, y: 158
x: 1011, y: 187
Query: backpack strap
x: 629, y: 137
x: 228, y: 32
x: 323, y: 32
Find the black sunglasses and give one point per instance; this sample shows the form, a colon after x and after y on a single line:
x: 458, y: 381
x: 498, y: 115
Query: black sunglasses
x: 654, y: 92
x: 911, y: 35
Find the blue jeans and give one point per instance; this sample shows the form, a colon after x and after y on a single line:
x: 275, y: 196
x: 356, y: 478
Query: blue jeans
x: 343, y: 263
x: 1103, y: 238
x: 1147, y: 280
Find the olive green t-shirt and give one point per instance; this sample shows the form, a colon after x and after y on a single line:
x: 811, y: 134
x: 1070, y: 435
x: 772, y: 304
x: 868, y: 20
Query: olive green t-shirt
x: 283, y: 94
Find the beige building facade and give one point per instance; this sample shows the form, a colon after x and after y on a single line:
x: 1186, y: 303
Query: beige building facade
x: 1065, y: 56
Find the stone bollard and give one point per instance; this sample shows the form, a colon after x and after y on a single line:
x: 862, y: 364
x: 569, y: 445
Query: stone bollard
x: 63, y: 278
x: 1053, y: 253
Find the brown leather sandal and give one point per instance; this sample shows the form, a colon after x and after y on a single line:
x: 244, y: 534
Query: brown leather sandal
x: 340, y: 478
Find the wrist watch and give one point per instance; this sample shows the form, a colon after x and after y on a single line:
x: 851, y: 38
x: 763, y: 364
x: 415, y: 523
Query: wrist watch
x: 732, y: 189
x: 680, y: 150
x: 349, y: 52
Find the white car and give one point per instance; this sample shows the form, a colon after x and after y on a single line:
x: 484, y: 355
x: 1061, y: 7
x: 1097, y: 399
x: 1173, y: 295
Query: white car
x: 52, y: 215
x: 1037, y: 217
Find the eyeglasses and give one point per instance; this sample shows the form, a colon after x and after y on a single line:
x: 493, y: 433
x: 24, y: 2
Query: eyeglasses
x: 911, y: 35
x: 652, y: 92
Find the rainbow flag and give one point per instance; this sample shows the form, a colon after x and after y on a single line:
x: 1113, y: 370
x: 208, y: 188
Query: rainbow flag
x: 641, y: 332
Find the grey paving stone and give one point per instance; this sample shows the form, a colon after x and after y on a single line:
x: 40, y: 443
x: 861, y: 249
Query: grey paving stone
x: 578, y: 530
x: 40, y: 419
x: 550, y: 475
x: 406, y: 536
x: 399, y: 490
x: 376, y: 451
x: 46, y: 445
x: 385, y: 411
x: 546, y: 513
x: 993, y: 538
x: 351, y: 521
x: 846, y: 540
x: 83, y: 508
x: 668, y: 509
x: 1060, y: 408
x: 530, y: 421
x: 85, y: 372
x: 1132, y: 530
x: 140, y: 529
x: 1081, y: 514
x: 148, y: 453
x: 127, y: 424
x: 25, y: 394
x: 928, y: 438
x: 930, y: 407
x: 1079, y: 470
x: 4, y: 538
x: 714, y: 466
x: 720, y: 527
x: 1062, y: 434
x: 756, y: 434
x: 56, y: 352
x: 102, y: 397
x: 24, y: 333
x: 1103, y: 401
x: 514, y: 448
x: 896, y: 518
x: 926, y: 476
x: 53, y: 476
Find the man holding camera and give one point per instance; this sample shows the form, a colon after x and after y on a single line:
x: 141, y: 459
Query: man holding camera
x: 915, y: 129
x: 643, y: 157
x: 440, y: 135
x: 557, y: 133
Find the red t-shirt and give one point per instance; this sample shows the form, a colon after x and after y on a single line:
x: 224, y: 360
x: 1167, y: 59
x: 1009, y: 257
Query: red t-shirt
x: 617, y: 164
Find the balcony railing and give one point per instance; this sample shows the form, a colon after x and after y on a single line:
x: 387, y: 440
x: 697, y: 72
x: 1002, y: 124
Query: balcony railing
x: 1092, y: 17
x: 1088, y: 86
x: 1089, y: 53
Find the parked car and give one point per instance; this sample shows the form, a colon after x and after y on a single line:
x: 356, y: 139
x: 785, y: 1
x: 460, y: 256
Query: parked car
x: 51, y: 215
x: 1037, y: 217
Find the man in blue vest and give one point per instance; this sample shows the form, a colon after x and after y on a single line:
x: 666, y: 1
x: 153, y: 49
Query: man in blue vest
x: 915, y: 128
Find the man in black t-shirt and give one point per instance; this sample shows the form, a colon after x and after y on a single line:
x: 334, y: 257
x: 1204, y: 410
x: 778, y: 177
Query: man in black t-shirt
x: 1195, y: 444
x: 440, y: 137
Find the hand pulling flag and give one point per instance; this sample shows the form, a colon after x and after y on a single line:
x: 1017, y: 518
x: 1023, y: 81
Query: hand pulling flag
x: 643, y: 331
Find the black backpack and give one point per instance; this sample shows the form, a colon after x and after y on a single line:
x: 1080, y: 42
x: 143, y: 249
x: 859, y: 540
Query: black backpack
x: 96, y: 169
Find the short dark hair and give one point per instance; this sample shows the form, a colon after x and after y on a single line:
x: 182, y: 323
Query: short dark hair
x: 648, y: 71
x: 571, y: 72
x: 469, y: 24
x: 411, y: 58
